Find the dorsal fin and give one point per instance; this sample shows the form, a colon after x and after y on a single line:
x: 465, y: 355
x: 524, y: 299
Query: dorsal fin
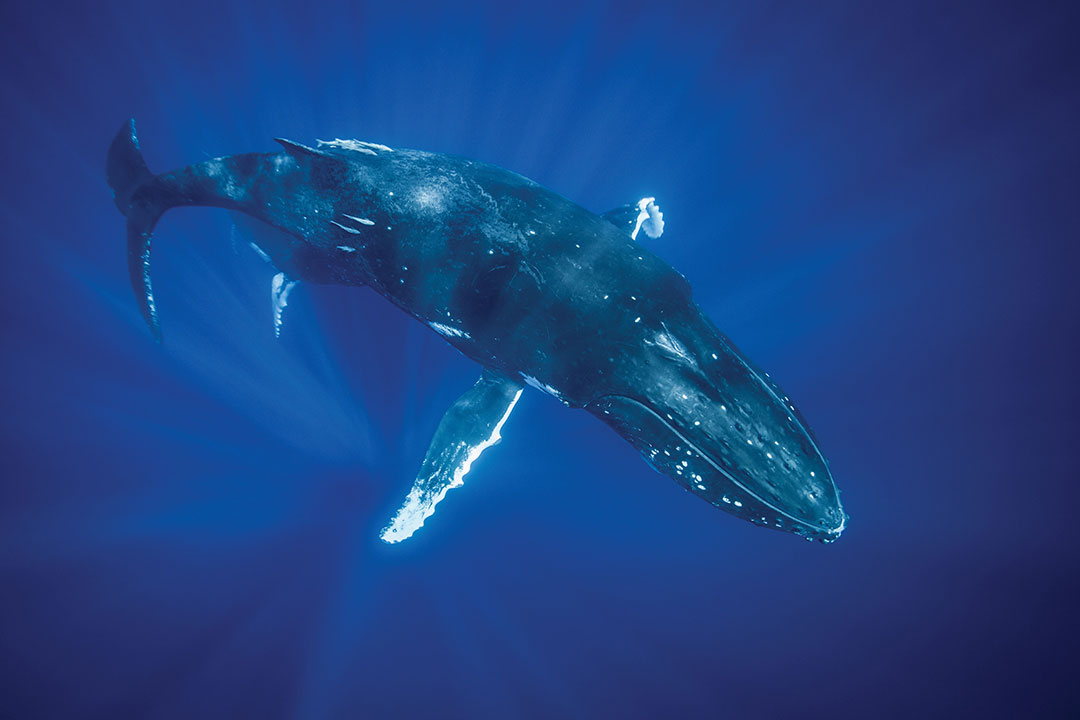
x: 295, y: 148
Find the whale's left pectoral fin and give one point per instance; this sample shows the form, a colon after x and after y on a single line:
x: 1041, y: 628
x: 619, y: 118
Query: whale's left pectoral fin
x: 469, y: 427
x: 643, y: 215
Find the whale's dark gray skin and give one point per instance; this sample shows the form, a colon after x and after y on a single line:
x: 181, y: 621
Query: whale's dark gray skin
x: 534, y: 288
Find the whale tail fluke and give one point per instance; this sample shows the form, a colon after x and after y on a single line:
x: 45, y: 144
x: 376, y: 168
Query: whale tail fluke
x: 127, y: 174
x: 125, y: 168
x: 143, y: 198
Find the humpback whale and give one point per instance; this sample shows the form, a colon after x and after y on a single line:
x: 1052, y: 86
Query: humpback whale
x: 534, y: 288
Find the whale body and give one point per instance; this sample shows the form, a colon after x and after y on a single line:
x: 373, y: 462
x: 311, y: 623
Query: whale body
x: 536, y: 289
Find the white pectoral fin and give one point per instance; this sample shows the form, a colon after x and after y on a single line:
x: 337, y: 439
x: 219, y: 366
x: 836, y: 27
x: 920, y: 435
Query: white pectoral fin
x: 470, y: 426
x: 643, y: 215
x: 279, y: 296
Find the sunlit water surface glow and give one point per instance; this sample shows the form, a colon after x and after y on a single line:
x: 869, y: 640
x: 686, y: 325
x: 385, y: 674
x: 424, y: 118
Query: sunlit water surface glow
x: 877, y: 205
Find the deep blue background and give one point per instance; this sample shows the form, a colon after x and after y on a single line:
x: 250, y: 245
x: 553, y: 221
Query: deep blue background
x: 877, y: 201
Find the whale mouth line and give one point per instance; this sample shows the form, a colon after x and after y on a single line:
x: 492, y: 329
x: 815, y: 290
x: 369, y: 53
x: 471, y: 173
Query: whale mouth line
x: 831, y: 532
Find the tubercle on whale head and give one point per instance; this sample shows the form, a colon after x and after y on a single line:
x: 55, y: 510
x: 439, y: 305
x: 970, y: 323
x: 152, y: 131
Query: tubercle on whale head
x: 702, y: 415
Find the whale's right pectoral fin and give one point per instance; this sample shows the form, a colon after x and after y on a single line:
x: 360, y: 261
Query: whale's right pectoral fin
x: 280, y: 287
x: 643, y: 215
x: 469, y: 427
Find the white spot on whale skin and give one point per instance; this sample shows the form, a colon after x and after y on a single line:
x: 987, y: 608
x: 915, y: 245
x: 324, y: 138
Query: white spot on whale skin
x: 360, y: 146
x: 430, y: 197
x: 362, y: 221
x: 283, y: 161
x: 542, y: 387
x: 346, y: 145
x: 448, y: 331
x: 346, y: 228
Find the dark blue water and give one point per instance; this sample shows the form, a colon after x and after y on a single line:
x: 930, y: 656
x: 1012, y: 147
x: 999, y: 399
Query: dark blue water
x: 877, y: 202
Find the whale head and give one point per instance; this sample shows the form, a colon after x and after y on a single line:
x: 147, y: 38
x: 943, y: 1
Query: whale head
x: 700, y: 413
